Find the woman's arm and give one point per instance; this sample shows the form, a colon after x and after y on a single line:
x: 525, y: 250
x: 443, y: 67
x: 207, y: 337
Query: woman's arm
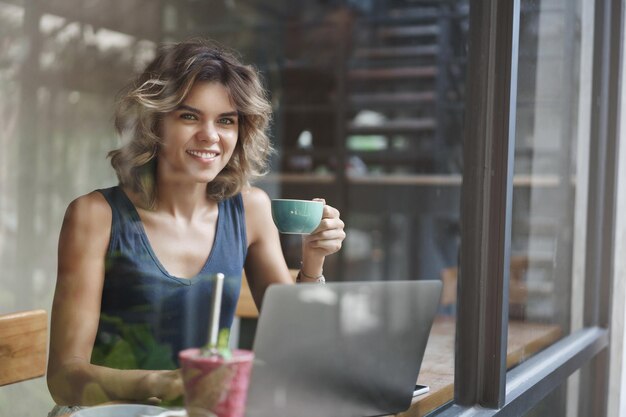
x: 72, y: 380
x: 265, y: 263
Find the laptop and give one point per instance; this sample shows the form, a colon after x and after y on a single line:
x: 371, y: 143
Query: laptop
x: 344, y: 349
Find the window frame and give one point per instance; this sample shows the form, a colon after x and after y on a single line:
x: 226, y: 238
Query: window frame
x: 482, y: 384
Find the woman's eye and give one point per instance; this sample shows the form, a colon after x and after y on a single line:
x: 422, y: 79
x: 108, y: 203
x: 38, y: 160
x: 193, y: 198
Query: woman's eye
x: 226, y: 121
x: 188, y: 116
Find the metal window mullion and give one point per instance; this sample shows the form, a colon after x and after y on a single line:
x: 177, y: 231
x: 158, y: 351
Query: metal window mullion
x: 605, y: 122
x: 603, y: 159
x: 597, y: 156
x: 486, y: 196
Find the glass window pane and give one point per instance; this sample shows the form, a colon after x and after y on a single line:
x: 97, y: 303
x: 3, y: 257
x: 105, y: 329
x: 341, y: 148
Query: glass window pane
x: 60, y: 66
x: 368, y: 108
x: 368, y: 100
x: 552, y: 140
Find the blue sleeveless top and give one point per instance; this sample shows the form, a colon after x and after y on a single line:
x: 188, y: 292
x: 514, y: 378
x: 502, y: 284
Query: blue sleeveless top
x: 147, y: 315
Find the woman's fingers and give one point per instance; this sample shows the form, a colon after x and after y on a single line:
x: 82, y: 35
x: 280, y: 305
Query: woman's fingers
x: 327, y: 234
x: 327, y: 245
x: 329, y: 224
x: 170, y: 384
x: 327, y: 238
x: 330, y: 212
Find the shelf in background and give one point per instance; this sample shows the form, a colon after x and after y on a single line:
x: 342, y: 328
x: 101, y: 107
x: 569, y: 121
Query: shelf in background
x: 299, y: 178
x: 397, y: 126
x: 407, y: 179
x: 392, y: 99
x: 449, y: 180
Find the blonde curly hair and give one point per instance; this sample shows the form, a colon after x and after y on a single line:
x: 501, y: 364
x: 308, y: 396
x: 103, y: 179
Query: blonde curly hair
x: 163, y: 85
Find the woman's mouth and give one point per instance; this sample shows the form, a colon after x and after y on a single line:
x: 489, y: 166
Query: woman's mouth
x: 207, y: 155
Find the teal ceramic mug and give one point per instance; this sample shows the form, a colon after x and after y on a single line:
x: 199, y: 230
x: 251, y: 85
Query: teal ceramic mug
x: 297, y: 216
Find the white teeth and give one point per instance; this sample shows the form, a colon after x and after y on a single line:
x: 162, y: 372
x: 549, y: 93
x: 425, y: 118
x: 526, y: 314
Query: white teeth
x: 203, y: 155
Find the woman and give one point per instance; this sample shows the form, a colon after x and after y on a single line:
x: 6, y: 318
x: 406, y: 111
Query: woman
x: 135, y: 260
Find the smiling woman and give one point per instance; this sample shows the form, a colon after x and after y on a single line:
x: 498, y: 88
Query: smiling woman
x: 202, y: 130
x: 165, y: 87
x: 136, y: 261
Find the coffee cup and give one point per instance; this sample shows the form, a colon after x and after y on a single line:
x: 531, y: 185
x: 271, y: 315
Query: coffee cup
x: 297, y: 216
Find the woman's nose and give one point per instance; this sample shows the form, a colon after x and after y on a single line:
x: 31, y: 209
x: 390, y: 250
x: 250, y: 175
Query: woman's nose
x: 209, y: 133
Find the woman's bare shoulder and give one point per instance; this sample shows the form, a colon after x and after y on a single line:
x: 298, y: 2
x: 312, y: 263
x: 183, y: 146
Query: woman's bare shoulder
x: 90, y: 211
x: 84, y: 236
x: 254, y: 198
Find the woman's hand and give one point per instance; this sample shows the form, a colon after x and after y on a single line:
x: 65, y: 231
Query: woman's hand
x: 325, y: 240
x: 164, y: 385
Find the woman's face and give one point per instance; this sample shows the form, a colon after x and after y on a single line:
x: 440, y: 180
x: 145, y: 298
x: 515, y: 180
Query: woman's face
x: 199, y: 137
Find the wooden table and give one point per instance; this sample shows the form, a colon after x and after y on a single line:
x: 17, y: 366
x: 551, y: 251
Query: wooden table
x: 437, y: 369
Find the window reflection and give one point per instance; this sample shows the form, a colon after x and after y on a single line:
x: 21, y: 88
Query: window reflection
x: 368, y: 102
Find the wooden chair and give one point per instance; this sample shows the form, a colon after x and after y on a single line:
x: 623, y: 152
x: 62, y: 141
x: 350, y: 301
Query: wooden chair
x: 23, y: 346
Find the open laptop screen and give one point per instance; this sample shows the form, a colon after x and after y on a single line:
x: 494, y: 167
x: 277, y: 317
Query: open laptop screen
x: 341, y: 349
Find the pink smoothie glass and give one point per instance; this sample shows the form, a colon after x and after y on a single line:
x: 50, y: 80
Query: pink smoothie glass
x: 215, y: 385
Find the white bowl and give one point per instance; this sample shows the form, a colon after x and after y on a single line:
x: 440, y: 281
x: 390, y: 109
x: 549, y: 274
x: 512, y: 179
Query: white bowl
x: 119, y: 410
